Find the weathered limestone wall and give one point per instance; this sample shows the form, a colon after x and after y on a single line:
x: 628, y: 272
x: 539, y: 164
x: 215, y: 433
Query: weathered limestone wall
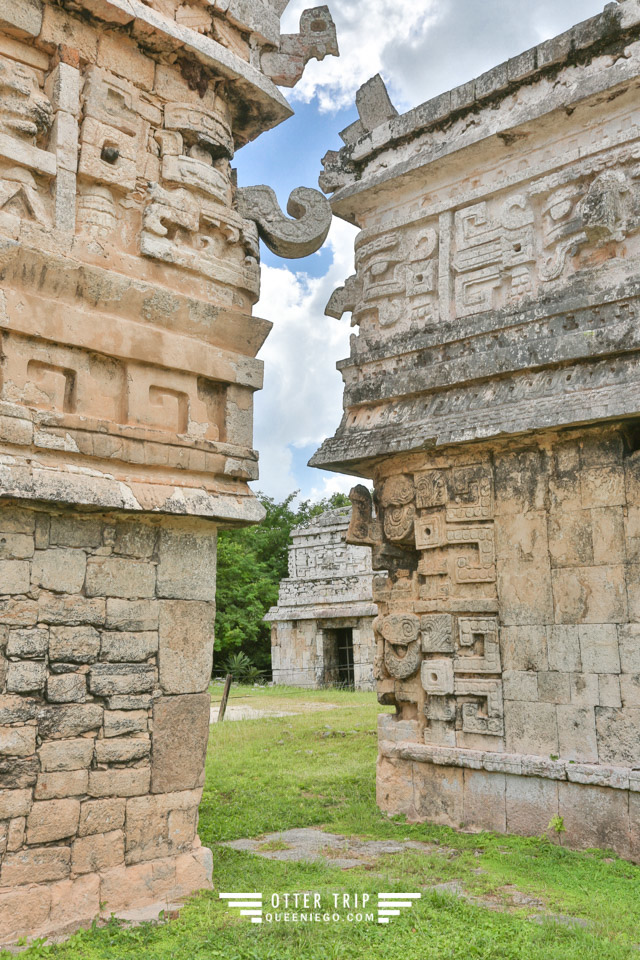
x: 303, y: 651
x: 493, y: 396
x: 529, y: 684
x: 329, y: 588
x: 106, y: 648
x: 129, y: 266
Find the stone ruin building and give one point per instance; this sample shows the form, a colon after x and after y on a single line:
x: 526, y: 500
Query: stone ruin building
x: 322, y: 628
x: 129, y: 268
x: 493, y: 395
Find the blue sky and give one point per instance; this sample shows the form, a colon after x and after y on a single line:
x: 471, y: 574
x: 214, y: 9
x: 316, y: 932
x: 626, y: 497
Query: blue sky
x: 421, y: 48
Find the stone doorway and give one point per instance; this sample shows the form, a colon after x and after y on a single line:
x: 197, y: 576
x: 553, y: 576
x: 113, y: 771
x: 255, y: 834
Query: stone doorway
x: 339, y: 658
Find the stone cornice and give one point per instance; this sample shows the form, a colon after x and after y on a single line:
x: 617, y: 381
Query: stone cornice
x: 518, y: 764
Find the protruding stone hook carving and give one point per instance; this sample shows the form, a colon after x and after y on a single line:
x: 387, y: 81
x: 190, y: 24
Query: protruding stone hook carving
x: 344, y: 299
x: 299, y: 237
x: 316, y: 40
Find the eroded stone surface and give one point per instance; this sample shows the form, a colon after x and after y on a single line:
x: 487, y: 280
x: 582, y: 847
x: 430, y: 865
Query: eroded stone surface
x: 492, y: 395
x: 180, y: 734
x: 309, y: 845
x: 127, y: 373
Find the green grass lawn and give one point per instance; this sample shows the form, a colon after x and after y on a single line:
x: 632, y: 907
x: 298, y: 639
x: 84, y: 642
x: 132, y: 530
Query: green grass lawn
x: 318, y: 768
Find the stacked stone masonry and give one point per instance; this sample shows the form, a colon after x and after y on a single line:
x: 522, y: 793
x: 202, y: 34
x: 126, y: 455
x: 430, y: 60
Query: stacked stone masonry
x: 322, y: 628
x: 492, y: 394
x: 106, y: 648
x: 129, y: 267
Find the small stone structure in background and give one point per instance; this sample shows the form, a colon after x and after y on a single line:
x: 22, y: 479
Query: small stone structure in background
x: 322, y: 628
x: 493, y: 395
x: 129, y: 268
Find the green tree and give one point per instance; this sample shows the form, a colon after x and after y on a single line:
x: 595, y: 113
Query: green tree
x: 251, y: 563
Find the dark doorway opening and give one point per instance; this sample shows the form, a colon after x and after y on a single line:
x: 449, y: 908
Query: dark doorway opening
x: 338, y: 658
x: 344, y: 644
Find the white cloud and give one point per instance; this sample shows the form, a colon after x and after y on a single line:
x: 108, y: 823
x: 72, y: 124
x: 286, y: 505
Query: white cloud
x: 424, y: 47
x: 302, y: 398
x: 364, y: 30
x: 338, y: 483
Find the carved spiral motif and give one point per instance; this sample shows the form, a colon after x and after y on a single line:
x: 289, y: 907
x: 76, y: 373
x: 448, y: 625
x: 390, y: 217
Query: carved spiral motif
x: 398, y: 522
x: 397, y: 491
x: 291, y: 238
x: 399, y: 512
x: 400, y: 630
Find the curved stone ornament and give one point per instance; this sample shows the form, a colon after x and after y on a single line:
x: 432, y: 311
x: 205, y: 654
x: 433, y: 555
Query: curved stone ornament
x: 316, y: 40
x: 288, y: 238
x: 403, y: 665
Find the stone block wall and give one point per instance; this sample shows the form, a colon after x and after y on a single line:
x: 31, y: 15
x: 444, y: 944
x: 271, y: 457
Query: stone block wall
x: 106, y: 649
x: 301, y: 651
x: 520, y: 684
x: 493, y: 395
x: 130, y: 267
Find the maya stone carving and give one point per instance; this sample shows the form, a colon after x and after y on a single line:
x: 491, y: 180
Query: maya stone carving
x: 491, y: 396
x: 130, y: 267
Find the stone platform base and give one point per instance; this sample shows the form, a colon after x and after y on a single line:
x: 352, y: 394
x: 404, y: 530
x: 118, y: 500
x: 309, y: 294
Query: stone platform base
x: 55, y: 909
x: 512, y: 793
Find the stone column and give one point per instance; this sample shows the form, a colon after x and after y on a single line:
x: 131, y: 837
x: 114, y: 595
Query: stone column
x: 129, y: 265
x: 493, y: 395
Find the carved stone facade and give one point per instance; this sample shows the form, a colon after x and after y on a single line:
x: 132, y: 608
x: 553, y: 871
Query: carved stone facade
x: 322, y: 628
x: 129, y: 266
x: 493, y: 395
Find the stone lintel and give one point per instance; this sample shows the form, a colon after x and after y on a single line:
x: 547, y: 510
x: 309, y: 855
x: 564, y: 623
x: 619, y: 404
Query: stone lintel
x: 60, y: 484
x: 321, y: 612
x: 121, y: 297
x: 612, y: 396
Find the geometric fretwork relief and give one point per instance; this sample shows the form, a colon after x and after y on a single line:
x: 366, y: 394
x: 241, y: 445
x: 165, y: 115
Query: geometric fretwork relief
x: 447, y: 660
x: 62, y: 379
x: 51, y: 376
x: 455, y: 535
x: 492, y: 254
x: 483, y: 711
x: 470, y: 495
x: 453, y: 507
x: 479, y: 566
x: 456, y: 697
x: 490, y: 251
x: 479, y: 650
